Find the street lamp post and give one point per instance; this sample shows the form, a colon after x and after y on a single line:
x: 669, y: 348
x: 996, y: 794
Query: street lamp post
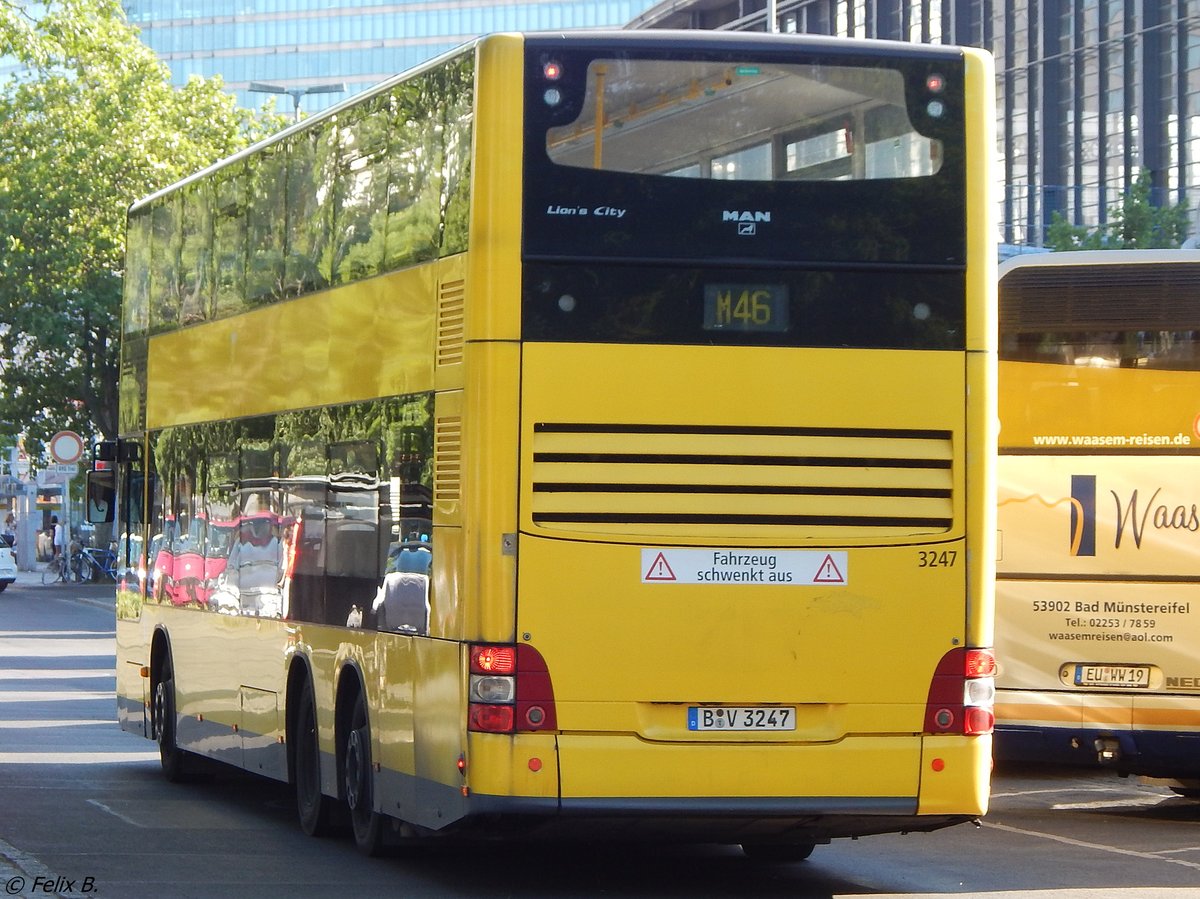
x: 297, y: 92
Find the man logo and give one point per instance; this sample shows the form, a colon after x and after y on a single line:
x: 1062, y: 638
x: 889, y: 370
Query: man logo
x: 733, y: 215
x: 1083, y: 515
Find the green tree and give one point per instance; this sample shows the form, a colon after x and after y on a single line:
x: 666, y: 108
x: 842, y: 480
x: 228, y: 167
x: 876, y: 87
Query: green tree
x: 1133, y: 224
x: 91, y: 124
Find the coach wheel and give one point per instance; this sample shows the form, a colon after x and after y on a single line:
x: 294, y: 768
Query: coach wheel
x: 778, y: 852
x: 312, y: 806
x: 171, y: 756
x: 367, y: 823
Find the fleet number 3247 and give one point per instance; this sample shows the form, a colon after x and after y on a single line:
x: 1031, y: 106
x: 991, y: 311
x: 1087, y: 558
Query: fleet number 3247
x: 944, y: 558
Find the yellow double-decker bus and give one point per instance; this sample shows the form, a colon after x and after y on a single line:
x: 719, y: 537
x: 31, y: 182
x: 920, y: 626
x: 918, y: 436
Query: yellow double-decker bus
x: 578, y: 433
x: 1098, y: 620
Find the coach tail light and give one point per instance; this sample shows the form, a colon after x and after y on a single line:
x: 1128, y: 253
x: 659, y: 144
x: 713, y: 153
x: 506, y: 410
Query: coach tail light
x: 962, y: 694
x: 510, y: 690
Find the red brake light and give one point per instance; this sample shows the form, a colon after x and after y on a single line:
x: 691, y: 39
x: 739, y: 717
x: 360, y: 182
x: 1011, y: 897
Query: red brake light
x: 978, y: 720
x: 493, y: 719
x: 493, y: 659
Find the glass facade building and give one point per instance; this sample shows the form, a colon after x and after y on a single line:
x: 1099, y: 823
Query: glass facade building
x: 1089, y: 92
x: 308, y: 43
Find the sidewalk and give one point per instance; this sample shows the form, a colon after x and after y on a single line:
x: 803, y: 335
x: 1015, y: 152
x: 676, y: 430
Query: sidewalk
x: 30, y: 578
x: 97, y: 594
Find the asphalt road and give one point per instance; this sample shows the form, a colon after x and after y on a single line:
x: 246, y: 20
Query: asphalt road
x: 84, y: 811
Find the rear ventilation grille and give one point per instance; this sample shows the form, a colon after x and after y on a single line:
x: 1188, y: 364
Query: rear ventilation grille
x: 450, y: 323
x: 694, y: 480
x: 447, y: 469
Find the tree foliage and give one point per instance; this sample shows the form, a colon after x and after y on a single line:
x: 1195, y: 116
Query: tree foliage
x: 1133, y: 224
x: 91, y: 124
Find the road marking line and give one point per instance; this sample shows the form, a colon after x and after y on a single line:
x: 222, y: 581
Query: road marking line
x: 1111, y: 803
x: 1116, y: 850
x: 116, y: 814
x: 1056, y: 790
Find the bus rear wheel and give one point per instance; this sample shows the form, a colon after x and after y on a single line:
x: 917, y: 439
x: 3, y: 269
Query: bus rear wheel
x: 312, y: 806
x: 359, y: 782
x: 163, y: 724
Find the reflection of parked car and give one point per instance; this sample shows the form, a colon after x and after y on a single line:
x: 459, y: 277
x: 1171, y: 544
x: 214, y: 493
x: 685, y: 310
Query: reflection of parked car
x: 8, y: 566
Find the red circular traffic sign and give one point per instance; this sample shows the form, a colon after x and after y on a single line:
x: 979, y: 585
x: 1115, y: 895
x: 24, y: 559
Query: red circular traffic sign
x: 66, y: 447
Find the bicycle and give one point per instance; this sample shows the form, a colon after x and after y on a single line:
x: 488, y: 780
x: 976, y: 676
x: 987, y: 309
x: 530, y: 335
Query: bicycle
x: 57, y: 569
x: 93, y: 564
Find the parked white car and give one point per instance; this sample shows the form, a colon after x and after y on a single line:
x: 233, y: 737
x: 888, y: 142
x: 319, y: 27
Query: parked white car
x: 8, y: 566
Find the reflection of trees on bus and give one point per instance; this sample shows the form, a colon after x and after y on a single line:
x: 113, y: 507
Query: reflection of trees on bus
x: 306, y: 516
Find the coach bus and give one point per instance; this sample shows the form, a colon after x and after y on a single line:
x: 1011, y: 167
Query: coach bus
x: 606, y: 423
x: 1098, y: 621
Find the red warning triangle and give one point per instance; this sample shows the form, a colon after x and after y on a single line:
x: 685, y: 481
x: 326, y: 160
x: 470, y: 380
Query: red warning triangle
x: 660, y: 570
x: 828, y: 573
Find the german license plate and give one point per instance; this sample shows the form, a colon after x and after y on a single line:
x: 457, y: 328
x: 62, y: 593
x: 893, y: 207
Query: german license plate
x: 741, y: 718
x: 1112, y: 676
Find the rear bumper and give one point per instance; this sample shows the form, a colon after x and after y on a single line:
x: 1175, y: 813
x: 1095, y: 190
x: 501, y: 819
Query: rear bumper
x: 616, y: 786
x: 704, y: 819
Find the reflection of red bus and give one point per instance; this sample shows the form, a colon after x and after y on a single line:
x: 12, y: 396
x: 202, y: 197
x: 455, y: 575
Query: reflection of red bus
x: 189, y: 561
x: 216, y: 553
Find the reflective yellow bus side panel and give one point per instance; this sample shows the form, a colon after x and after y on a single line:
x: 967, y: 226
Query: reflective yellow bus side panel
x: 367, y: 340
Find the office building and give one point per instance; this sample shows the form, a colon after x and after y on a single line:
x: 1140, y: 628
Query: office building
x: 315, y: 44
x: 1089, y: 92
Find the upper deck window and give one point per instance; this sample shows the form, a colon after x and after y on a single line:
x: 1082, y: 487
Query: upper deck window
x: 742, y: 122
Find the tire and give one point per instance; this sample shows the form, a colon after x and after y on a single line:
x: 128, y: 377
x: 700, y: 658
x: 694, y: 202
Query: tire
x: 778, y: 853
x: 312, y: 807
x: 173, y: 759
x: 358, y: 782
x: 52, y: 573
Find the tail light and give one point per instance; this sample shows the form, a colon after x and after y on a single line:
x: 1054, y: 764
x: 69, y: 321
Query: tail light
x: 962, y: 694
x: 510, y: 690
